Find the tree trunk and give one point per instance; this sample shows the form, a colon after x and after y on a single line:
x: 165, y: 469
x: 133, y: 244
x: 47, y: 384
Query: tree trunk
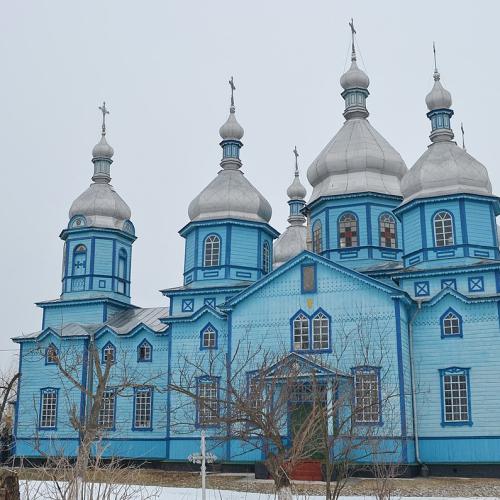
x: 9, y: 485
x: 284, y: 493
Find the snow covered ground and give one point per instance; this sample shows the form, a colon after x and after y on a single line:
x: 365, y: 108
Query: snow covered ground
x: 35, y: 490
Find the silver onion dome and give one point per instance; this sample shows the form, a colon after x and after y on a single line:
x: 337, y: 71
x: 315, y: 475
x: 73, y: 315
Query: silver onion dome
x: 438, y: 97
x: 102, y: 149
x: 230, y: 195
x: 231, y: 129
x: 358, y: 159
x: 100, y: 204
x: 444, y: 168
x: 294, y: 239
x: 291, y: 242
x: 354, y: 77
x: 296, y: 190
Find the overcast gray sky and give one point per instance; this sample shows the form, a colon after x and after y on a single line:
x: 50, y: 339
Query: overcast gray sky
x: 162, y: 67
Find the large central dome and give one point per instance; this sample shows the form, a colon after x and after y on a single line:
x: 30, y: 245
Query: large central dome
x: 358, y: 159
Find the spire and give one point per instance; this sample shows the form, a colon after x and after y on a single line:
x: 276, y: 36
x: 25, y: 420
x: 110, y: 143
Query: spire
x: 439, y: 102
x: 463, y: 136
x: 296, y: 192
x: 102, y: 153
x: 355, y: 83
x: 231, y: 133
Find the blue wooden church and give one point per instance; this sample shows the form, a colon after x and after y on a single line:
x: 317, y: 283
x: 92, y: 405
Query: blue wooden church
x: 411, y: 255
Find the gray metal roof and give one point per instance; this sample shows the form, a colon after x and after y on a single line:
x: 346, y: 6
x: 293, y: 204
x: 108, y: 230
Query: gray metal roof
x: 445, y: 169
x: 121, y: 323
x: 358, y: 159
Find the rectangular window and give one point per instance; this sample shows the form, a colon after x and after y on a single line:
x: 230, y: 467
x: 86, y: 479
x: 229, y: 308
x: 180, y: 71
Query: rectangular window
x: 367, y: 395
x: 48, y: 409
x: 107, y: 412
x: 455, y: 396
x: 308, y: 278
x: 208, y: 404
x: 143, y: 401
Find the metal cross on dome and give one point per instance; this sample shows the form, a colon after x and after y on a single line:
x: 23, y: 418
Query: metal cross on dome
x: 353, y: 32
x: 296, y: 153
x: 104, y: 112
x: 233, y: 88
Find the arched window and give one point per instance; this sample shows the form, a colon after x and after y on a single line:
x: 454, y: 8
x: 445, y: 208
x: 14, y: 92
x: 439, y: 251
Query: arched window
x: 266, y: 255
x: 79, y: 260
x: 144, y: 352
x: 317, y: 237
x: 300, y: 333
x: 348, y: 231
x: 122, y: 271
x: 451, y: 324
x: 108, y: 353
x: 387, y: 231
x: 208, y: 338
x: 212, y: 251
x: 320, y: 332
x: 443, y: 229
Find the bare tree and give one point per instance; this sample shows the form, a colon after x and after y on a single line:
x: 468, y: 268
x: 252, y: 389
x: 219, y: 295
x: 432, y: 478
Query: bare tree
x: 108, y: 480
x: 251, y: 406
x: 103, y: 372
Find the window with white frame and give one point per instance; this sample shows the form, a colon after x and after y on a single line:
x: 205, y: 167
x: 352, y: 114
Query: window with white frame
x: 48, y: 408
x: 208, y: 404
x: 143, y: 400
x: 320, y: 332
x: 387, y: 231
x: 145, y: 351
x: 348, y: 231
x: 108, y: 353
x: 317, y: 237
x: 209, y: 338
x: 367, y: 395
x: 300, y: 333
x: 212, y: 251
x: 451, y: 324
x: 266, y: 258
x: 107, y: 411
x: 443, y: 229
x: 455, y: 394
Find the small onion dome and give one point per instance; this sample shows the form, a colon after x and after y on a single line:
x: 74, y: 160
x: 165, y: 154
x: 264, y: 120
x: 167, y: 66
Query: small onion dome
x: 101, y: 206
x: 445, y: 169
x: 354, y: 78
x: 289, y: 244
x: 358, y: 159
x: 102, y: 149
x: 296, y: 191
x: 438, y: 97
x: 230, y: 196
x: 231, y: 129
